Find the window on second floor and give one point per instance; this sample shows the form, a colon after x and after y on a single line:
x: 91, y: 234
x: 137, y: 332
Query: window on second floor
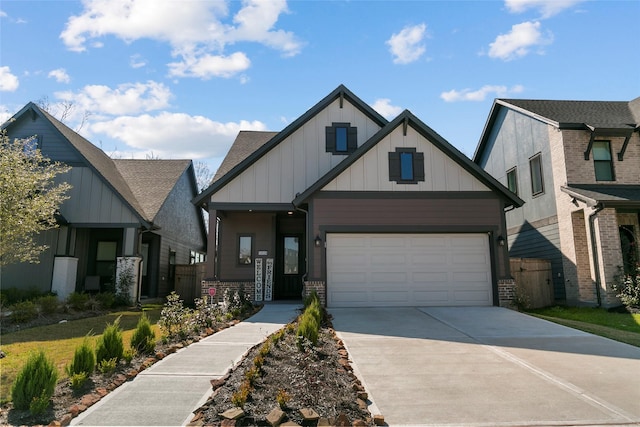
x: 406, y: 166
x: 602, y: 161
x: 537, y: 183
x: 512, y: 180
x: 341, y: 138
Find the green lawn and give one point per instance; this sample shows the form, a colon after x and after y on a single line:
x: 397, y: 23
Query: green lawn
x: 59, y: 342
x: 624, y: 327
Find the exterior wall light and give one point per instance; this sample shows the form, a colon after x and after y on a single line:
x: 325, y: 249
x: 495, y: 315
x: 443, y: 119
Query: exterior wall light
x: 501, y: 240
x: 318, y: 241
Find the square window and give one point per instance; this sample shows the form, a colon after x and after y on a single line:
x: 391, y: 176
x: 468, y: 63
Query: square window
x: 245, y: 249
x: 512, y: 181
x: 341, y: 138
x: 535, y: 166
x: 602, y: 161
x: 406, y: 166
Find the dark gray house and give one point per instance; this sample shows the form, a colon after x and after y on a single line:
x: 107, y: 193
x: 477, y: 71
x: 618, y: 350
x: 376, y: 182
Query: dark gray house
x: 364, y: 211
x: 577, y: 166
x: 135, y: 211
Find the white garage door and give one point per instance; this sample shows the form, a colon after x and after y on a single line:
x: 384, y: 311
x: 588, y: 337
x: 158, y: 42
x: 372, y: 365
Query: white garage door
x: 368, y: 270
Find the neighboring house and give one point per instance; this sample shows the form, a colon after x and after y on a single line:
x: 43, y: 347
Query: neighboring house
x: 364, y: 211
x: 139, y: 210
x: 577, y: 166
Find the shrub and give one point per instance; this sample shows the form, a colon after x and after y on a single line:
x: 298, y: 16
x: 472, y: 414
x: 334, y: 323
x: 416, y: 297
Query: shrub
x: 129, y: 354
x: 143, y: 339
x: 23, y: 311
x: 627, y: 287
x: 252, y: 375
x: 239, y: 398
x: 78, y: 380
x: 106, y: 300
x: 308, y: 328
x: 125, y: 281
x: 84, y: 359
x: 205, y: 314
x: 34, y: 384
x: 108, y: 366
x: 78, y: 300
x: 48, y: 304
x: 109, y: 345
x: 174, y: 317
x: 283, y: 398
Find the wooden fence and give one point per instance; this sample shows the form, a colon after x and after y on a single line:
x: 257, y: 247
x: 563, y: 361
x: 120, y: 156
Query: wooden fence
x: 188, y: 279
x: 534, y: 282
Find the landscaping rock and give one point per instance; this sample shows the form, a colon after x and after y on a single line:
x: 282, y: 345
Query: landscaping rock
x: 275, y: 417
x: 343, y: 421
x: 232, y: 414
x: 378, y: 420
x: 309, y: 414
x: 290, y: 424
x: 324, y: 422
x: 66, y: 420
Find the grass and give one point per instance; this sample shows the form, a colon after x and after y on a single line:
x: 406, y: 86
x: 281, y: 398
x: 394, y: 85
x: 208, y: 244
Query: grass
x: 624, y: 327
x: 59, y: 342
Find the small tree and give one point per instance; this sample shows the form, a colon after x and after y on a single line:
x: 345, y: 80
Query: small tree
x: 29, y: 198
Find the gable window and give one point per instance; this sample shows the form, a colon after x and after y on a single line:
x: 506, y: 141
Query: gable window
x: 341, y: 138
x: 245, y: 249
x: 535, y: 166
x: 602, y: 161
x: 406, y: 166
x: 512, y: 180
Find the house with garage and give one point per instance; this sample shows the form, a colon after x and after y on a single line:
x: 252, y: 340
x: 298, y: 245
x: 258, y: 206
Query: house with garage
x: 133, y: 213
x: 576, y: 164
x: 364, y: 211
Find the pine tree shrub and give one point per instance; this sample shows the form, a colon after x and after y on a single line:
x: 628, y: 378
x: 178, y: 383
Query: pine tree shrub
x: 34, y: 384
x: 84, y: 359
x: 143, y: 339
x: 109, y: 345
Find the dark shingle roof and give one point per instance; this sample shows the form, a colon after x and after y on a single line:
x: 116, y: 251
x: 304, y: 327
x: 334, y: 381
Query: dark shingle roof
x: 151, y: 181
x: 597, y: 114
x: 246, y: 143
x: 609, y: 195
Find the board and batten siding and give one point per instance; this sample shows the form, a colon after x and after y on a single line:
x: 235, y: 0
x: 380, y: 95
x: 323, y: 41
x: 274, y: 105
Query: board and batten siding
x: 410, y: 215
x: 297, y: 162
x: 53, y: 145
x: 93, y: 202
x: 33, y: 276
x: 371, y: 171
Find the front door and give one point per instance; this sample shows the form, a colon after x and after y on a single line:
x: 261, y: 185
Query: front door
x: 289, y: 267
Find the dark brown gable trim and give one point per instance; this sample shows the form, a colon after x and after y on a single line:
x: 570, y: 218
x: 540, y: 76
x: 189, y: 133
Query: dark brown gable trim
x: 405, y: 195
x: 258, y: 207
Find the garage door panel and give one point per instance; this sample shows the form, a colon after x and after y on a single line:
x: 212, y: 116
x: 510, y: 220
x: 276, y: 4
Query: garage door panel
x: 408, y: 270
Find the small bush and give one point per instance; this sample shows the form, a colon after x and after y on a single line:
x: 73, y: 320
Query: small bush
x: 252, y: 375
x: 627, y: 287
x: 78, y: 301
x: 84, y: 359
x: 239, y: 398
x: 308, y: 328
x: 78, y: 380
x: 143, y: 339
x: 108, y: 366
x: 48, y: 304
x: 129, y: 354
x: 175, y: 317
x: 34, y: 384
x: 110, y: 345
x: 23, y: 311
x: 283, y: 398
x: 106, y: 300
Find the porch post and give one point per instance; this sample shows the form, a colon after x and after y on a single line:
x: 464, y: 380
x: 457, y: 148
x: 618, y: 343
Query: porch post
x: 212, y: 250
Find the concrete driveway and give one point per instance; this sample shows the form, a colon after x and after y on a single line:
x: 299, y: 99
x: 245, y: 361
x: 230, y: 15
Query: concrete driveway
x: 488, y: 366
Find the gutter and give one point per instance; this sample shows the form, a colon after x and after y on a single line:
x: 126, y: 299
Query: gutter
x: 594, y: 250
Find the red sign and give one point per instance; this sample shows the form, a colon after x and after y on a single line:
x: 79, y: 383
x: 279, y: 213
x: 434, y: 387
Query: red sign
x: 212, y: 292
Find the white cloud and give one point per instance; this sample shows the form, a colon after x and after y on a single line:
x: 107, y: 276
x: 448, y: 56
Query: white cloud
x: 384, y: 107
x: 3, y: 14
x: 4, y: 114
x: 175, y: 135
x: 519, y: 41
x: 547, y: 8
x: 8, y: 81
x: 197, y: 31
x: 207, y: 66
x: 137, y: 61
x: 129, y: 98
x: 480, y: 94
x: 60, y: 75
x: 406, y: 46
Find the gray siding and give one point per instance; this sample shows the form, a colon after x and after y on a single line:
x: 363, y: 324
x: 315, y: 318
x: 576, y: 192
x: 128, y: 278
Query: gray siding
x: 39, y: 275
x: 53, y: 145
x: 541, y: 242
x: 408, y: 215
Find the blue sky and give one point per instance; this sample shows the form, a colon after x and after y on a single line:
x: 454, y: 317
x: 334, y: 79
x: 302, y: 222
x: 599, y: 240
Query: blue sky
x: 179, y: 79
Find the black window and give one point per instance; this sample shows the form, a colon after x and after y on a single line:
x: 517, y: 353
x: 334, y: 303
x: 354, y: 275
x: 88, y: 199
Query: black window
x: 512, y: 180
x: 245, y: 249
x: 602, y: 161
x: 535, y: 166
x: 341, y: 138
x: 406, y: 166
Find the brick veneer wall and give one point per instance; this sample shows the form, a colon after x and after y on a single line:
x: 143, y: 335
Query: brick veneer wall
x: 610, y: 254
x: 506, y: 292
x: 247, y: 288
x: 319, y: 287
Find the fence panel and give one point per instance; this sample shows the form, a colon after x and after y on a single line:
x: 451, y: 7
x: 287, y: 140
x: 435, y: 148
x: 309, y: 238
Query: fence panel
x: 533, y: 281
x: 188, y: 278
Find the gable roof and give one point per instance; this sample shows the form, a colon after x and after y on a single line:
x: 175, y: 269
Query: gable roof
x: 245, y: 144
x: 341, y: 92
x: 406, y: 118
x: 617, y: 116
x: 151, y: 181
x: 614, y: 196
x: 138, y: 183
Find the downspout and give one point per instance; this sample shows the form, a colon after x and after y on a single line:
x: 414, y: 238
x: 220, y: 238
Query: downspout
x: 594, y: 250
x: 306, y: 260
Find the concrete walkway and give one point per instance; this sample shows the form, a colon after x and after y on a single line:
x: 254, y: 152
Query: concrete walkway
x: 488, y: 366
x: 168, y: 392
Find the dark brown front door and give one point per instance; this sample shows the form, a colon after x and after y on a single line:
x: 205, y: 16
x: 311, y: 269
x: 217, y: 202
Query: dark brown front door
x: 289, y: 267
